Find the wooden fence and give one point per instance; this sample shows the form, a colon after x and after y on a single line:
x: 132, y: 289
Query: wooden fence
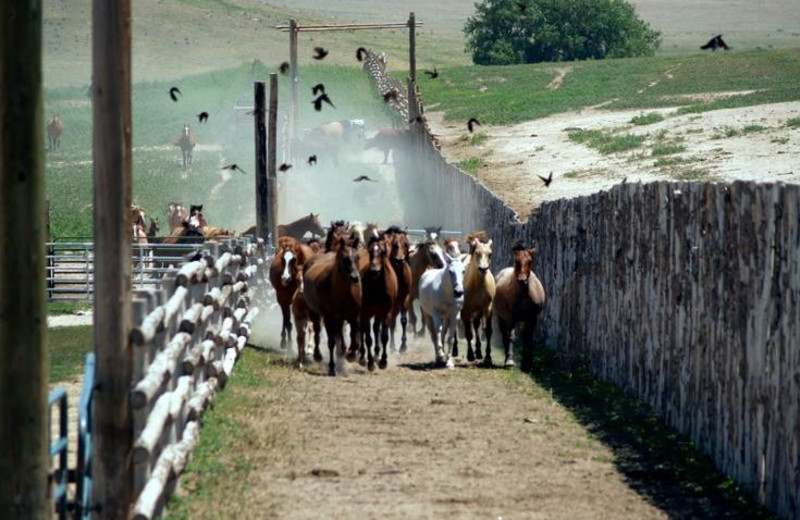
x: 685, y: 294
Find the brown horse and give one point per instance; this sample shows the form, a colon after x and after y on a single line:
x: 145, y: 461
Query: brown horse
x: 519, y: 298
x: 302, y: 315
x: 378, y: 300
x: 301, y: 226
x: 186, y: 142
x: 338, y: 229
x: 332, y: 291
x: 398, y: 254
x: 285, y: 274
x: 479, y: 291
x: 428, y: 255
x: 54, y: 130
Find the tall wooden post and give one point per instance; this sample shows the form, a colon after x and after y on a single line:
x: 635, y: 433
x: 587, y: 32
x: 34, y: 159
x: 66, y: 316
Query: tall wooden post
x: 293, y: 66
x: 262, y: 215
x: 412, y: 47
x: 272, y: 158
x: 24, y: 428
x: 111, y: 95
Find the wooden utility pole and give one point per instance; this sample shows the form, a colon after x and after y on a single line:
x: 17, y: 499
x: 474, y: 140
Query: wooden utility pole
x: 272, y: 158
x: 111, y: 95
x: 24, y: 428
x: 262, y: 215
x: 412, y: 47
x: 293, y: 66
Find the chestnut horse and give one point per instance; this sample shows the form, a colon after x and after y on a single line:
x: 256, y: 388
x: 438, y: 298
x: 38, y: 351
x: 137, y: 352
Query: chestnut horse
x: 428, y: 255
x: 398, y: 254
x: 479, y: 291
x: 332, y: 291
x: 285, y: 274
x: 519, y: 298
x: 378, y: 299
x: 54, y: 130
x: 301, y: 226
x: 302, y: 316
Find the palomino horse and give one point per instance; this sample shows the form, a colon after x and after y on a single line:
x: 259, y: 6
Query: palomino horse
x: 285, y: 274
x: 186, y: 142
x: 441, y: 296
x: 479, y: 292
x: 54, y: 130
x: 398, y: 255
x: 378, y: 297
x: 332, y: 291
x: 518, y: 299
x: 428, y: 255
x: 301, y: 226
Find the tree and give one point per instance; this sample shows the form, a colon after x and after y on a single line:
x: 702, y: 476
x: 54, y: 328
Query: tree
x: 502, y: 32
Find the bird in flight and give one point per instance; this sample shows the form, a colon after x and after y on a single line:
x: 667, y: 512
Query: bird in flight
x: 284, y: 68
x: 323, y: 98
x: 715, y: 43
x: 284, y: 167
x: 363, y: 178
x: 312, y: 159
x: 173, y: 93
x: 319, y: 88
x: 391, y: 95
x: 319, y: 53
x: 471, y: 124
x: 202, y: 117
x: 432, y: 73
x: 360, y: 53
x: 546, y: 180
x: 233, y: 167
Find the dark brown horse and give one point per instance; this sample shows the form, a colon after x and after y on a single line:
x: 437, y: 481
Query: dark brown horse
x: 285, y: 274
x: 397, y: 241
x: 379, y: 295
x: 301, y: 226
x: 519, y: 297
x: 332, y: 291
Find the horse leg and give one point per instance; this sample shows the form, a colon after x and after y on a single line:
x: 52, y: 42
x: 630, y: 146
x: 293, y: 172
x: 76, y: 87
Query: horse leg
x: 487, y: 330
x: 476, y: 326
x: 370, y: 362
x: 468, y: 334
x: 301, y: 342
x: 384, y: 329
x: 434, y: 326
x: 353, y: 350
x: 333, y: 333
x: 452, y: 330
x: 286, y: 327
x: 403, y: 324
x: 454, y: 336
x: 527, y: 346
x: 315, y: 323
x: 505, y: 332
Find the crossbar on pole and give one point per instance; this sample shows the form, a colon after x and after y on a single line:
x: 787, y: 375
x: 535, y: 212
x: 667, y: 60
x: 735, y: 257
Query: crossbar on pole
x: 346, y: 27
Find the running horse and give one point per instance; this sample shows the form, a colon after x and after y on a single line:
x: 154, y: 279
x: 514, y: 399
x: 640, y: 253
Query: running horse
x: 285, y: 274
x: 54, y: 130
x: 479, y: 290
x: 301, y: 226
x: 186, y: 142
x: 379, y: 294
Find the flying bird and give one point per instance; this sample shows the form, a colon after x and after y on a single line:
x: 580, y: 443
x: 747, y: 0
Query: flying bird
x: 360, y: 53
x: 284, y: 68
x: 323, y: 98
x: 433, y: 74
x: 392, y: 94
x: 284, y: 167
x: 363, y: 178
x: 319, y: 88
x: 471, y: 124
x: 202, y: 117
x: 312, y: 160
x: 233, y: 167
x: 173, y: 93
x: 715, y: 43
x: 547, y: 180
x: 319, y: 53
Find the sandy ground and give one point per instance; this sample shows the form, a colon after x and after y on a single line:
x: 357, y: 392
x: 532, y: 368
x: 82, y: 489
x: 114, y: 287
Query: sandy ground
x: 71, y: 320
x: 514, y: 155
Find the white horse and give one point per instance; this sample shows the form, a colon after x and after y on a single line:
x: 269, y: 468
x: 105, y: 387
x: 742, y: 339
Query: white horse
x: 441, y: 296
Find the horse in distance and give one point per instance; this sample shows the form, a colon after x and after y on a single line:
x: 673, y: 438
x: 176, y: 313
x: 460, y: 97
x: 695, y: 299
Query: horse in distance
x: 55, y: 127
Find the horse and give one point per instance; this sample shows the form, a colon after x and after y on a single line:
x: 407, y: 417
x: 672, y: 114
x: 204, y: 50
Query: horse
x: 441, y: 296
x: 198, y: 220
x: 479, y: 290
x: 428, y: 255
x: 387, y: 140
x: 327, y: 139
x: 302, y: 316
x: 285, y: 274
x: 301, y: 226
x: 54, y: 130
x: 186, y: 142
x: 338, y: 229
x: 519, y: 298
x: 332, y: 291
x: 398, y: 254
x: 378, y: 299
x: 176, y: 215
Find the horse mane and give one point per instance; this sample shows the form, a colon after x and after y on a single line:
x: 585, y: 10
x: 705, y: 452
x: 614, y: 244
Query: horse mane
x: 395, y: 229
x: 518, y: 246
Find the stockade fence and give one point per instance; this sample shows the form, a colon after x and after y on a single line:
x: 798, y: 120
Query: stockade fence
x: 686, y: 295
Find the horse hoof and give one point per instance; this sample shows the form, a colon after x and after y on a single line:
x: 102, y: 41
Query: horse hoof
x: 439, y: 361
x: 317, y: 357
x: 332, y: 372
x: 403, y: 348
x: 371, y: 366
x: 455, y: 350
x: 509, y: 363
x: 470, y: 356
x: 362, y: 361
x: 487, y: 363
x: 382, y: 364
x: 478, y: 354
x: 350, y: 356
x: 450, y: 364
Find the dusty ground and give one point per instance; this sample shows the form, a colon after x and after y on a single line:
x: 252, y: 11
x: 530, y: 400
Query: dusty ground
x: 512, y: 156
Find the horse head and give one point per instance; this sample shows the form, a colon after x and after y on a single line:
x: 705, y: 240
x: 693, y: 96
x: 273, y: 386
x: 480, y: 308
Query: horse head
x: 187, y: 130
x: 452, y: 247
x: 153, y: 229
x: 480, y: 252
x: 523, y: 259
x: 433, y: 232
x: 434, y: 254
x: 377, y: 249
x: 455, y: 272
x: 347, y: 260
x: 314, y: 225
x: 398, y: 244
x: 288, y: 254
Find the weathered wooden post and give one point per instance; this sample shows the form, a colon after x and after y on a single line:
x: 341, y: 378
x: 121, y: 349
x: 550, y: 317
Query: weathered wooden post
x: 262, y: 214
x: 293, y: 65
x: 272, y: 159
x: 24, y: 428
x: 412, y: 47
x: 111, y: 95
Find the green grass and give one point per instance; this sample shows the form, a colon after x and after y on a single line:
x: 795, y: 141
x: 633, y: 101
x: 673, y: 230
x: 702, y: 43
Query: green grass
x: 57, y: 308
x: 725, y: 132
x: 667, y: 148
x: 471, y: 165
x: 606, y: 142
x: 518, y: 93
x: 478, y: 139
x: 647, y: 119
x: 693, y: 174
x: 793, y: 122
x: 752, y: 129
x: 663, y: 162
x: 67, y: 347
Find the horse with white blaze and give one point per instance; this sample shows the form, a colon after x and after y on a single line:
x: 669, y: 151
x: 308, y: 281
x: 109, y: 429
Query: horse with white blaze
x: 441, y: 296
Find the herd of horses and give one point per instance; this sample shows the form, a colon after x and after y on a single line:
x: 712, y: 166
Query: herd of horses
x: 366, y: 278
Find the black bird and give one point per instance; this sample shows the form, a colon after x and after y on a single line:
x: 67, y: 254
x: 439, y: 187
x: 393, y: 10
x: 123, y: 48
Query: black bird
x: 173, y: 93
x: 312, y: 160
x: 471, y: 124
x: 318, y: 88
x: 284, y: 68
x: 233, y: 168
x: 323, y: 98
x: 202, y: 117
x: 433, y: 74
x: 360, y: 53
x: 363, y: 178
x: 547, y: 180
x: 392, y: 94
x: 284, y: 167
x: 715, y: 43
x: 319, y: 53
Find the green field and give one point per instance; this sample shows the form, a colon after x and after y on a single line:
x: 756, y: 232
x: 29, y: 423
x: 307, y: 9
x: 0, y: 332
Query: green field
x: 67, y: 347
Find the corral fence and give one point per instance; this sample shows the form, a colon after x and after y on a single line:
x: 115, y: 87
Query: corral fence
x: 687, y: 295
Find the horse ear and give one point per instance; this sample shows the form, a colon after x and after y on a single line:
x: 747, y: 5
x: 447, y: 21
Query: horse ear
x: 489, y: 243
x: 532, y: 251
x: 311, y: 215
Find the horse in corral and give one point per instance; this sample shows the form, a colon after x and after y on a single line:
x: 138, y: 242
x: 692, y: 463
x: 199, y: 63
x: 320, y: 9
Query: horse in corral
x: 428, y: 255
x: 285, y: 274
x: 54, y: 130
x: 198, y: 220
x: 398, y: 254
x: 301, y: 226
x: 378, y: 299
x: 176, y: 215
x: 387, y: 140
x: 441, y: 296
x: 186, y: 142
x: 332, y: 291
x: 519, y: 298
x: 479, y: 288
